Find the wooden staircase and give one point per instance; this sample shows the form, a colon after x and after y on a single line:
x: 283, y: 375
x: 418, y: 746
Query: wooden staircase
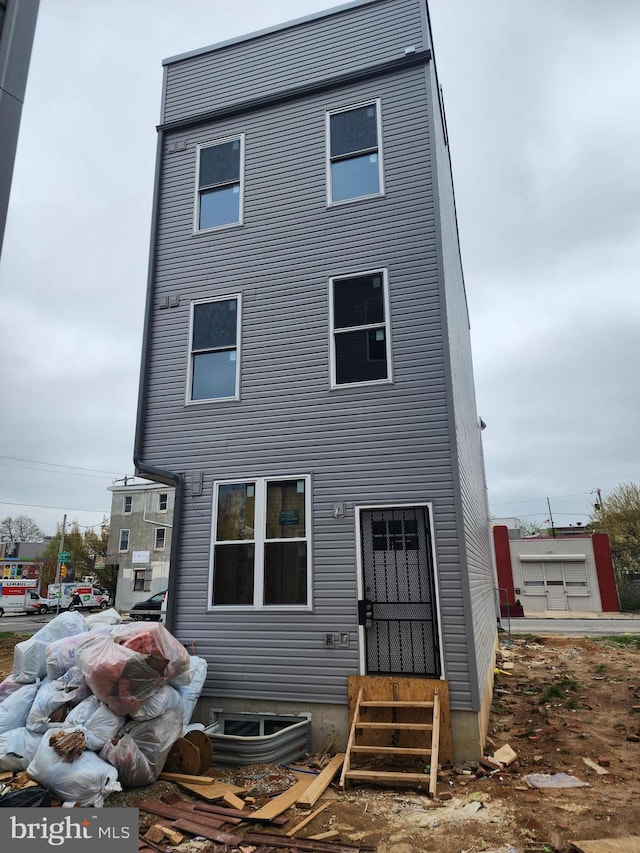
x: 393, y: 731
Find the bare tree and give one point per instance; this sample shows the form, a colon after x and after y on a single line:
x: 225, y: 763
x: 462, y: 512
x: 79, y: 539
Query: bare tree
x: 22, y: 528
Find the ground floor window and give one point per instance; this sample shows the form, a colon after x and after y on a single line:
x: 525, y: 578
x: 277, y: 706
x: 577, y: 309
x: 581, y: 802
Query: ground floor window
x: 261, y: 543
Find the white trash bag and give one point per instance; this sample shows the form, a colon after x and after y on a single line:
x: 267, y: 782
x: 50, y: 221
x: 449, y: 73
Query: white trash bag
x: 15, y: 708
x: 29, y: 657
x: 85, y: 781
x: 17, y: 748
x: 98, y: 722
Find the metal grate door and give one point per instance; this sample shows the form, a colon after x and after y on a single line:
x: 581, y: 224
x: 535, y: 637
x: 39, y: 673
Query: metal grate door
x: 399, y: 610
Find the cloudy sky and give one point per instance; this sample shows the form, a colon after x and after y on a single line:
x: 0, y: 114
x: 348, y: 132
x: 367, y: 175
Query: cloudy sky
x: 542, y: 107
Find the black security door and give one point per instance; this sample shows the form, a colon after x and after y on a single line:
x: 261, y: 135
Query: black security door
x: 399, y: 609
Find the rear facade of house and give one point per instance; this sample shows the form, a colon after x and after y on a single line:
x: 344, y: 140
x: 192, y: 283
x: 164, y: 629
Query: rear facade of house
x: 306, y: 376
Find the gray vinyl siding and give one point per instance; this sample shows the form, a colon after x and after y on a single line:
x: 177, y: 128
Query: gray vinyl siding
x: 387, y: 443
x: 347, y: 40
x: 476, y: 561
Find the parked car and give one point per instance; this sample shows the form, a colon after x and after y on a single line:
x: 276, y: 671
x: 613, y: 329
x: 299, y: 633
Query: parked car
x: 151, y: 608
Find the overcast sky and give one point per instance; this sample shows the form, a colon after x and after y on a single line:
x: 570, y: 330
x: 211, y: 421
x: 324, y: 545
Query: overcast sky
x: 542, y: 102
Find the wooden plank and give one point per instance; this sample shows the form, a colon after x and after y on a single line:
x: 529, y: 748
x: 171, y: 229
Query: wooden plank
x: 321, y: 782
x: 164, y: 810
x: 355, y: 715
x: 186, y: 777
x: 414, y: 727
x: 628, y: 844
x: 388, y: 776
x: 281, y: 803
x: 397, y: 704
x: 307, y: 819
x: 231, y: 800
x: 324, y: 836
x: 435, y: 745
x: 206, y: 831
x: 210, y: 792
x: 236, y: 816
x: 391, y: 750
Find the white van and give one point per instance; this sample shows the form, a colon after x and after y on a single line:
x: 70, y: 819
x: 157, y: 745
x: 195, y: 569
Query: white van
x: 19, y: 596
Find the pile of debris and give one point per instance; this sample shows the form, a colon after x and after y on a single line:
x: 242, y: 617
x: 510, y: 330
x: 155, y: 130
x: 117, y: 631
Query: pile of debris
x: 94, y: 704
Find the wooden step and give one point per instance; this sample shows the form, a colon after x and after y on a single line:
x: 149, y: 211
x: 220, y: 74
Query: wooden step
x: 390, y: 750
x: 387, y: 776
x: 421, y: 727
x: 396, y: 704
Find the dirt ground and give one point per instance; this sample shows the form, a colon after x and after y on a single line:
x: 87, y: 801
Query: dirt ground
x: 563, y: 701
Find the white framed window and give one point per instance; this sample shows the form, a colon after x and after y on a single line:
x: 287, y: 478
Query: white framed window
x: 214, y: 357
x: 127, y: 504
x: 219, y: 183
x: 354, y: 152
x: 261, y: 544
x: 160, y: 538
x: 360, y: 330
x: 162, y: 502
x: 142, y: 580
x: 123, y: 544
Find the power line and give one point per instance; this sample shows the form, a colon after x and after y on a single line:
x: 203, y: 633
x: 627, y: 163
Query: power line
x: 58, y: 465
x: 47, y: 506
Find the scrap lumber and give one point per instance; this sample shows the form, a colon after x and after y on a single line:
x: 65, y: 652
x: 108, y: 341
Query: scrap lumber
x: 187, y: 777
x: 231, y: 800
x: 281, y: 803
x: 235, y: 815
x: 307, y: 819
x: 319, y: 785
x: 629, y: 844
x: 324, y: 836
x: 206, y: 831
x: 209, y: 791
x: 164, y: 810
x: 505, y: 755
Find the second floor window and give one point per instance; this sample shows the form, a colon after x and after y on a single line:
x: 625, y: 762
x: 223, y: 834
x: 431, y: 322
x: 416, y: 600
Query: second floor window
x: 160, y: 539
x: 162, y: 502
x: 127, y: 502
x: 361, y: 349
x: 219, y: 184
x: 354, y: 153
x: 123, y: 544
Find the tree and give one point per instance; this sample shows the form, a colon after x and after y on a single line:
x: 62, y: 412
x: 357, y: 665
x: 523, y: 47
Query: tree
x: 22, y: 528
x: 88, y: 553
x: 618, y: 515
x: 530, y: 528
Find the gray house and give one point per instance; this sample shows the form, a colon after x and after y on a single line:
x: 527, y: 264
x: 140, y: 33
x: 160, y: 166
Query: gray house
x: 139, y: 544
x: 306, y: 377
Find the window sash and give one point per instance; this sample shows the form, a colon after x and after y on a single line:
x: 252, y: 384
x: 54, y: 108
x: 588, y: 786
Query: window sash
x: 354, y: 153
x: 214, y: 369
x: 123, y: 542
x: 163, y: 499
x: 219, y: 184
x: 361, y: 352
x: 160, y: 539
x: 127, y: 504
x: 252, y: 570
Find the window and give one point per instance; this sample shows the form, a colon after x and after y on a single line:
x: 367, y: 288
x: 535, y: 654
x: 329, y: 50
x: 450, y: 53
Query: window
x: 354, y: 168
x: 360, y: 335
x: 162, y: 502
x: 127, y: 502
x: 160, y: 539
x: 220, y: 178
x: 214, y: 349
x: 124, y: 541
x: 138, y: 580
x: 261, y: 553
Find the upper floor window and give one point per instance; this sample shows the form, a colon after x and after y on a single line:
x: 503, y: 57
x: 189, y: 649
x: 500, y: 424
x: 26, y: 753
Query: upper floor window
x: 361, y: 350
x: 213, y: 368
x: 354, y: 142
x: 261, y: 532
x: 162, y: 502
x: 123, y: 544
x: 160, y: 538
x: 127, y: 502
x: 219, y: 183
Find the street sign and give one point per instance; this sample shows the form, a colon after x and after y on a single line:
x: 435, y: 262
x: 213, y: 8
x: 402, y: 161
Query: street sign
x: 64, y: 556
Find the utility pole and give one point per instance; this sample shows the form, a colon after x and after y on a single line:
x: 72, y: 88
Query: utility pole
x: 59, y: 565
x: 553, y: 529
